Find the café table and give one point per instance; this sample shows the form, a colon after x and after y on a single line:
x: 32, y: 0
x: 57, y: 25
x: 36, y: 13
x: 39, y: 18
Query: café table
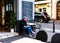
x: 31, y: 24
x: 27, y: 40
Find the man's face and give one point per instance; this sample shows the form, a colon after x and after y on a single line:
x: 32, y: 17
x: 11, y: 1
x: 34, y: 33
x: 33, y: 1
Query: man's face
x: 25, y: 19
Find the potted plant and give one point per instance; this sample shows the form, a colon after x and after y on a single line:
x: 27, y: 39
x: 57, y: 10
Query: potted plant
x: 11, y: 20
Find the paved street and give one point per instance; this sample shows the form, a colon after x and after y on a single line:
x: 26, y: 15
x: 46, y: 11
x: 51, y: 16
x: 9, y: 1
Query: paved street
x: 49, y: 26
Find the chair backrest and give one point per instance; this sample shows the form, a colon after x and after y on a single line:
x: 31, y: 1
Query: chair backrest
x: 56, y: 38
x: 42, y: 35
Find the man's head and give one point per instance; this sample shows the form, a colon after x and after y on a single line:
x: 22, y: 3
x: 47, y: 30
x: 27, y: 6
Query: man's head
x: 25, y: 18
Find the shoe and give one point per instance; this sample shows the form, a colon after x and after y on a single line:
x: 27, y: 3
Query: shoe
x: 30, y: 35
x: 33, y: 32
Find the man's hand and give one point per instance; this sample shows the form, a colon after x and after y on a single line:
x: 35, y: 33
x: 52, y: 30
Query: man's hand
x: 25, y: 26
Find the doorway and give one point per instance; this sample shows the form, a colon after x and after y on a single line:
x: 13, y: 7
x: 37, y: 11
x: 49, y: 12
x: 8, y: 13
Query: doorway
x: 58, y: 10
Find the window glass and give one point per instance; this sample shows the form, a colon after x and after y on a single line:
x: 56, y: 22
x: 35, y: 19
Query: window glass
x: 44, y: 9
x: 6, y: 7
x: 9, y: 5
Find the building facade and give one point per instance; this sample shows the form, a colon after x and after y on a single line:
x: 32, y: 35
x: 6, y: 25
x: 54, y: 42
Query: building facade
x: 24, y: 8
x: 56, y: 9
x: 51, y: 7
x: 21, y: 8
x: 5, y: 6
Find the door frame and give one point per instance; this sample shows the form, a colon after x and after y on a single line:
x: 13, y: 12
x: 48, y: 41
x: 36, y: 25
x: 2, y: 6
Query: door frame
x: 57, y: 10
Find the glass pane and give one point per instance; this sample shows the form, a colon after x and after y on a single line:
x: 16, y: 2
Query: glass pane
x: 7, y: 7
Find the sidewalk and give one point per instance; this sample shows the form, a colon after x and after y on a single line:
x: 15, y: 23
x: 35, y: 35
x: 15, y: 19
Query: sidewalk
x: 4, y: 35
x: 10, y: 39
x: 56, y: 21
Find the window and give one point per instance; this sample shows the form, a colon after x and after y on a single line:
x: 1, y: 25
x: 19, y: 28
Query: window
x: 9, y: 5
x: 6, y: 7
x: 27, y: 9
x: 44, y: 9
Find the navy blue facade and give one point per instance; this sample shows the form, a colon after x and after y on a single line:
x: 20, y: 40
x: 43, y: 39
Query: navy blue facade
x: 27, y: 10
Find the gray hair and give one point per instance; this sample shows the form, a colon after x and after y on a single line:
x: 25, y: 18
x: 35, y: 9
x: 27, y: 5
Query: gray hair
x: 25, y: 17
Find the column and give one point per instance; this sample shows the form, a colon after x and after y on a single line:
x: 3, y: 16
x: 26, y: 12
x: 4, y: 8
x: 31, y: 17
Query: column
x: 53, y: 9
x: 19, y: 9
x: 18, y: 14
x: 33, y: 9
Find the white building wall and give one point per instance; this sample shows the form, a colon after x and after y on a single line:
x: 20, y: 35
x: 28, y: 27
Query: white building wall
x: 54, y: 10
x: 48, y: 0
x: 29, y: 0
x: 48, y: 9
x: 41, y: 2
x: 19, y: 9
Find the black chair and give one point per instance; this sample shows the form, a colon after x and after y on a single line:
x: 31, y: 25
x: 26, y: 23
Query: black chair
x: 42, y: 35
x: 56, y: 38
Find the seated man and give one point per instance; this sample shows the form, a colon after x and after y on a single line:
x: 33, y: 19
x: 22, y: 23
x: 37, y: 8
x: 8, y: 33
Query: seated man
x: 23, y: 25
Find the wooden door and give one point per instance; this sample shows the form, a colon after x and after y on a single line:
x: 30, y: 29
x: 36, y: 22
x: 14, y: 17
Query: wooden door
x: 58, y: 10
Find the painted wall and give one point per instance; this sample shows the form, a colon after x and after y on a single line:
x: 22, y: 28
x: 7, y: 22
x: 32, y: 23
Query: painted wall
x: 29, y: 0
x: 54, y: 10
x: 19, y: 11
x: 48, y: 10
